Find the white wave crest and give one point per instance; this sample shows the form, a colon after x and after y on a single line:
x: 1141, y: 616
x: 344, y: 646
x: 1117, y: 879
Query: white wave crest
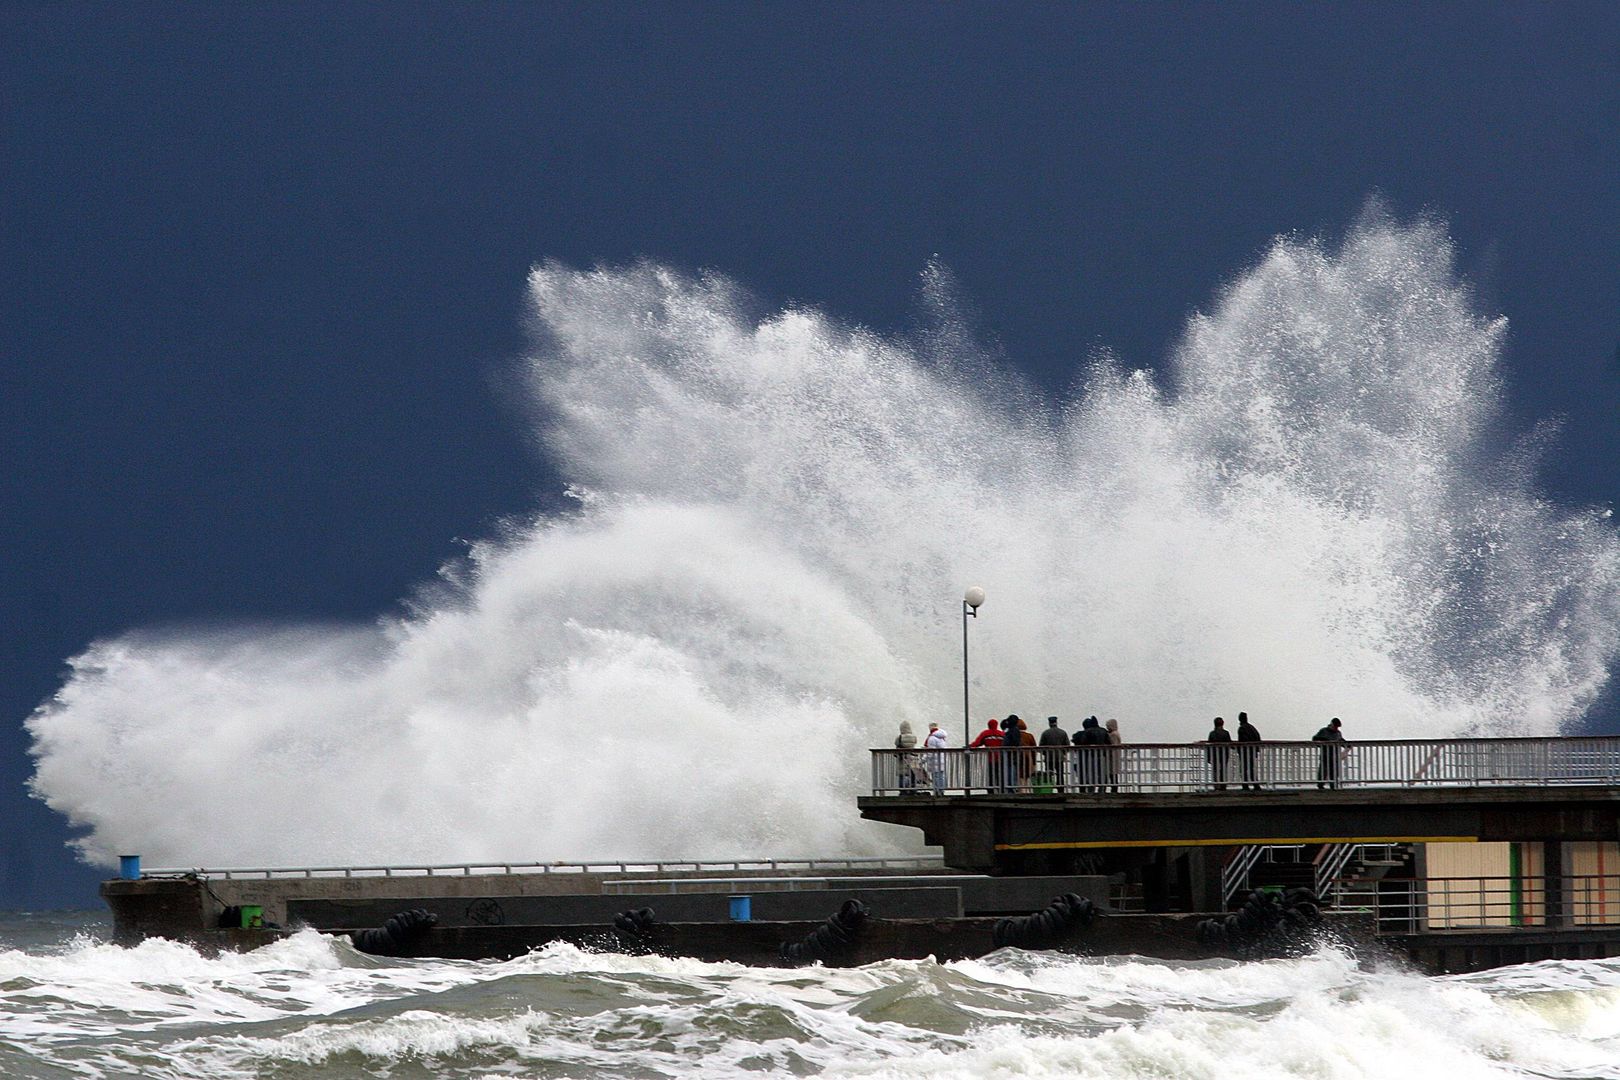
x: 566, y: 1012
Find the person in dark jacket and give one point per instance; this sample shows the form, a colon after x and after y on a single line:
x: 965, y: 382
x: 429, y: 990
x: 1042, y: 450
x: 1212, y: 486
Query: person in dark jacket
x: 1093, y: 741
x: 1248, y: 737
x: 1081, y: 758
x: 1327, y: 772
x: 1010, y: 738
x: 1220, y: 745
x: 1054, y: 736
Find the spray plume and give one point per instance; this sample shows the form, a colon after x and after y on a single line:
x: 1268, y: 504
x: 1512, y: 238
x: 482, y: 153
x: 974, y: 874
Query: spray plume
x: 1318, y: 515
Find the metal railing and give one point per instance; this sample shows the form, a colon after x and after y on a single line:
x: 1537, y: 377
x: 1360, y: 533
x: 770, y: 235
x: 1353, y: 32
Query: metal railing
x: 794, y: 883
x: 1235, y: 874
x: 1329, y: 867
x: 1422, y: 905
x: 625, y: 867
x: 1170, y: 767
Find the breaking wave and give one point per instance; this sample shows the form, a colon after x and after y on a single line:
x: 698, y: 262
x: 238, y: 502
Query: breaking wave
x: 312, y: 1007
x: 1318, y: 512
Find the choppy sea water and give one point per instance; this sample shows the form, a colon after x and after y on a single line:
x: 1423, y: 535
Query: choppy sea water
x: 73, y: 1005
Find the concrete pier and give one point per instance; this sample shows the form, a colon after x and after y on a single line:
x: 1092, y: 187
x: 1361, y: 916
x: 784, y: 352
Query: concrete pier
x: 1458, y: 854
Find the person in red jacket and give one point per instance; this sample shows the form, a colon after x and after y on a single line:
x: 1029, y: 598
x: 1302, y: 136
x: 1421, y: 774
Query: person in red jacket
x: 989, y: 739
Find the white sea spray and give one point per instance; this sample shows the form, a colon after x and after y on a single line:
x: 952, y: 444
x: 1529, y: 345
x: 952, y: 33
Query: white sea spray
x: 1317, y: 512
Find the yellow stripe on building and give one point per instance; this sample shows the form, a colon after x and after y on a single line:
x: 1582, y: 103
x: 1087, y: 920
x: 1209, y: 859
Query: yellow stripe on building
x: 1060, y: 845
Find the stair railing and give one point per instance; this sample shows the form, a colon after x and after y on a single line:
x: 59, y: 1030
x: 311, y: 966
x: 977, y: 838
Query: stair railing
x: 1330, y: 863
x: 1235, y: 874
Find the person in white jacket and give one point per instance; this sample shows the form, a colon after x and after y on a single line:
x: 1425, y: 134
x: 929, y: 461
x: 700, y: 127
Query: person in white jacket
x: 936, y: 761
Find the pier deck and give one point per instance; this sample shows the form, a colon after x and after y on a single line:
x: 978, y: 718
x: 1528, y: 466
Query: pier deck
x: 1174, y: 817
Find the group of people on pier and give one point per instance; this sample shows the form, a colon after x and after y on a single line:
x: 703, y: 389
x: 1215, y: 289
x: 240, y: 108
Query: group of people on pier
x: 1015, y: 760
x: 1219, y: 751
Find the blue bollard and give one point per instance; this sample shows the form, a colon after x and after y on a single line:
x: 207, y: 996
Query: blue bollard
x: 742, y: 908
x: 129, y: 867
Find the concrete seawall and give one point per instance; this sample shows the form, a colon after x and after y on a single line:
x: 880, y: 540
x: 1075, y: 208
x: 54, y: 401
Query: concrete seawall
x: 943, y: 915
x: 166, y: 906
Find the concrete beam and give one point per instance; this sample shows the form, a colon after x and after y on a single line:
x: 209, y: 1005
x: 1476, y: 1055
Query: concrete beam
x: 999, y: 833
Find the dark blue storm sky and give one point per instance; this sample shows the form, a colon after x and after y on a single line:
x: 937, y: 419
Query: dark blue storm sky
x: 263, y: 266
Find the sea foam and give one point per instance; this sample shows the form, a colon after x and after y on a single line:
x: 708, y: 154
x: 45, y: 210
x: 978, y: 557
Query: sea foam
x: 562, y: 1012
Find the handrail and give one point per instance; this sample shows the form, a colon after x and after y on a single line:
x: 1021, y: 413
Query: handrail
x: 795, y: 883
x: 1438, y: 904
x: 1169, y: 767
x: 1423, y: 769
x: 1330, y: 864
x: 628, y: 866
x: 1235, y: 874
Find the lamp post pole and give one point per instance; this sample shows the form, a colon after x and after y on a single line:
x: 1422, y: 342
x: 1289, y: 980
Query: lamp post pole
x: 970, y: 606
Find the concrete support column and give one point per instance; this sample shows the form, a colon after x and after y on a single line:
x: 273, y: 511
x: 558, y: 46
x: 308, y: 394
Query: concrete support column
x: 1552, y: 870
x: 1205, y: 864
x: 1156, y: 882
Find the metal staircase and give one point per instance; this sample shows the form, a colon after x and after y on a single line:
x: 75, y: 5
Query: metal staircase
x: 1235, y: 874
x: 1326, y: 869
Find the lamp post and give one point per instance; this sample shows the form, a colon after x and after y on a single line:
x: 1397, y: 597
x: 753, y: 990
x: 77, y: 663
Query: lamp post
x: 970, y: 606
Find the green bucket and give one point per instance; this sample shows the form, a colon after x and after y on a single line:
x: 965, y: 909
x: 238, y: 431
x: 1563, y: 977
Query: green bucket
x: 252, y: 917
